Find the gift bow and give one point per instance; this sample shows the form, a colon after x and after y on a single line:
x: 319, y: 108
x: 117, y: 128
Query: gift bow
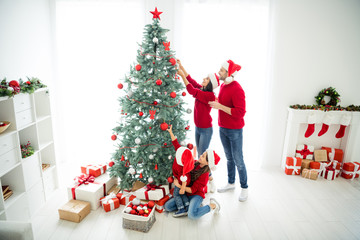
x: 151, y: 187
x: 108, y: 198
x: 296, y: 169
x: 304, y: 152
x: 84, y: 179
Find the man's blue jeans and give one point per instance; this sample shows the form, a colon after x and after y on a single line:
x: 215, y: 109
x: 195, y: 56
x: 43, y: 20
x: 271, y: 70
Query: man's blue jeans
x: 232, y: 141
x: 195, y: 211
x: 202, y: 139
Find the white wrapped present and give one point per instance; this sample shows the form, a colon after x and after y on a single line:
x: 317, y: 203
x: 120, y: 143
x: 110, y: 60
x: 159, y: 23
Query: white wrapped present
x: 304, y: 151
x: 152, y: 192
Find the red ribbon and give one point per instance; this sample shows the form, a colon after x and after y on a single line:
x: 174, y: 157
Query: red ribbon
x: 85, y: 179
x: 153, y: 187
x: 304, y: 152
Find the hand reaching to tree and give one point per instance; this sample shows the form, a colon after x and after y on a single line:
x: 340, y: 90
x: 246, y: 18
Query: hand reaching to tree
x: 171, y: 133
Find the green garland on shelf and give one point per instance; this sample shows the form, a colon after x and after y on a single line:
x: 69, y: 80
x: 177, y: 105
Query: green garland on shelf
x: 9, y: 89
x: 351, y: 108
x: 332, y: 93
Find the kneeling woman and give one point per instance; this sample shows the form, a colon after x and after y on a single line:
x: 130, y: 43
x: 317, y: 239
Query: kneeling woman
x: 196, y: 193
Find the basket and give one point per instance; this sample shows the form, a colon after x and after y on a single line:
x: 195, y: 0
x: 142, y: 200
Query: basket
x: 138, y: 223
x: 3, y: 128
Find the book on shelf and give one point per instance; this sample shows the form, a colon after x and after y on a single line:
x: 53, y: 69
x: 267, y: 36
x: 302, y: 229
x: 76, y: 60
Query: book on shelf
x: 8, y: 194
x: 5, y: 189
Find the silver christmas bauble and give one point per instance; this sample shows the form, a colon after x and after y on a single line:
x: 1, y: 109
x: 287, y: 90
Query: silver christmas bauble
x: 137, y: 140
x: 132, y: 171
x: 169, y: 157
x: 130, y: 93
x: 150, y: 180
x: 188, y: 110
x: 155, y: 40
x: 151, y: 156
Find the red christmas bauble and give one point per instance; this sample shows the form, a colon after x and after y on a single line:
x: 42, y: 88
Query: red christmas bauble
x: 138, y: 67
x: 141, y: 212
x: 172, y: 61
x: 14, y: 83
x: 120, y: 86
x: 151, y: 204
x: 113, y: 137
x: 141, y: 113
x: 111, y: 164
x: 187, y: 128
x: 153, y: 62
x: 133, y: 212
x: 190, y: 146
x: 184, y: 94
x: 134, y: 207
x: 158, y: 82
x: 173, y: 94
x: 170, y: 179
x: 150, y: 127
x: 165, y: 144
x: 164, y: 126
x: 145, y: 215
x: 28, y: 82
x: 155, y: 102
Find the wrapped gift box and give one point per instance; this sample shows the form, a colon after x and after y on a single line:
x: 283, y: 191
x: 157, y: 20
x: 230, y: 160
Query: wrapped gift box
x: 320, y: 156
x: 94, y: 170
x: 293, y: 166
x: 159, y: 205
x: 74, y: 210
x: 91, y: 190
x: 152, y: 192
x: 319, y: 166
x: 305, y: 151
x: 351, y: 170
x: 305, y: 164
x: 334, y: 154
x: 125, y: 198
x: 137, y: 222
x: 110, y: 202
x: 310, y: 173
x: 329, y: 173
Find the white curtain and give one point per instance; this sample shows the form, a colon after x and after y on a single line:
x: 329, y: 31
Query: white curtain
x: 97, y: 42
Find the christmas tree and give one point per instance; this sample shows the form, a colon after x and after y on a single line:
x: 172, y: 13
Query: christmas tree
x: 153, y: 101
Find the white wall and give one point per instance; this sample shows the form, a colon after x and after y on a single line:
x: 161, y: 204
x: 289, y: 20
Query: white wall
x: 315, y: 44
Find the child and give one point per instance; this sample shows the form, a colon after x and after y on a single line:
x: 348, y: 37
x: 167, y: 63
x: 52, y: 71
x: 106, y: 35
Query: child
x: 183, y: 164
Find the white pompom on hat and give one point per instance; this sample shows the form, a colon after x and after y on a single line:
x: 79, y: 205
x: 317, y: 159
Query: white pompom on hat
x: 185, y: 159
x: 213, y: 159
x: 214, y: 79
x: 231, y: 68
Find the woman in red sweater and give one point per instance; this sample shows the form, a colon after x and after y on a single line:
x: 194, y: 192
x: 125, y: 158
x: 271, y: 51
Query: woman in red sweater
x: 203, y: 94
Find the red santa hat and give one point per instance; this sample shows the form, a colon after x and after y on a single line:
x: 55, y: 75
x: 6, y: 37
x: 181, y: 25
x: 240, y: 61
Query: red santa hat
x: 214, y: 79
x: 213, y: 159
x: 185, y: 159
x: 231, y: 68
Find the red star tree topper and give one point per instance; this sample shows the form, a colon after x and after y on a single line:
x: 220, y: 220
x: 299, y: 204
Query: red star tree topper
x: 156, y: 14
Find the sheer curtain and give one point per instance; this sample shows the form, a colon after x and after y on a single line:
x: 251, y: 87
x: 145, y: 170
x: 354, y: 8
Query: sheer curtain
x: 97, y: 42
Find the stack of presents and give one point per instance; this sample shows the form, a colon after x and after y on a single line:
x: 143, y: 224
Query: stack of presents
x: 95, y: 188
x: 325, y: 162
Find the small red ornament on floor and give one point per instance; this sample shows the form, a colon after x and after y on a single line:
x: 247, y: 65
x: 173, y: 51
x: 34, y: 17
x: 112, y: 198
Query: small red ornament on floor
x: 113, y: 137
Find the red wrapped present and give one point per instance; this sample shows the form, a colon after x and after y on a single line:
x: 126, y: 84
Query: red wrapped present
x: 94, y: 170
x: 304, y: 151
x: 329, y: 173
x: 293, y: 166
x: 351, y: 170
x: 110, y: 202
x: 125, y: 197
x: 159, y: 205
x: 320, y: 166
x: 334, y: 154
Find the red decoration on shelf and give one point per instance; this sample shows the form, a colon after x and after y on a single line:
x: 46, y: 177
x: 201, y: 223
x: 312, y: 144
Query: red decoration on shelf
x: 170, y: 179
x: 156, y: 13
x: 173, y: 94
x: 158, y: 82
x: 113, y: 137
x: 111, y: 164
x: 138, y: 67
x: 164, y: 126
x: 172, y: 61
x: 190, y: 146
x: 166, y: 45
x: 120, y: 86
x: 184, y: 94
x: 141, y: 113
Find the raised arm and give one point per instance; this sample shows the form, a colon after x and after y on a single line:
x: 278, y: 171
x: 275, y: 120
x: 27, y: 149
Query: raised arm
x: 181, y: 67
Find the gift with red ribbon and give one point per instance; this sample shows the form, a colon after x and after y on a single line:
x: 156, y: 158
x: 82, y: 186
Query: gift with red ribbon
x: 329, y: 173
x: 351, y: 170
x: 91, y: 189
x: 304, y: 151
x: 94, y: 170
x: 159, y: 205
x: 110, y: 202
x: 125, y: 197
x: 152, y: 192
x: 334, y: 154
x: 293, y: 166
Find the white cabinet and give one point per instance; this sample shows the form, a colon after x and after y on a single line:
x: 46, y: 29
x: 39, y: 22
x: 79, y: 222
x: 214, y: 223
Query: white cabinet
x: 30, y: 118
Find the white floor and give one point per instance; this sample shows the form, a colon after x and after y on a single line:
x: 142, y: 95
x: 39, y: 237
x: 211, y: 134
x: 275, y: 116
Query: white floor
x: 279, y: 207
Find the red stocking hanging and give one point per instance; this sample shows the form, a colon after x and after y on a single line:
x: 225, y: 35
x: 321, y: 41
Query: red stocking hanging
x: 311, y: 126
x: 344, y: 122
x: 326, y: 122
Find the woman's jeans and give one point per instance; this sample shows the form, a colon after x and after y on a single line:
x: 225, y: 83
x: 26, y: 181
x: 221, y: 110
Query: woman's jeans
x: 195, y: 211
x: 232, y: 141
x: 202, y: 139
x: 181, y: 200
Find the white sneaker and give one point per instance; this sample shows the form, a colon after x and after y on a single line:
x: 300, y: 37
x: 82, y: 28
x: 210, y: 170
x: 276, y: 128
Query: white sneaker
x: 243, y: 195
x: 217, y: 208
x: 227, y: 187
x: 212, y: 186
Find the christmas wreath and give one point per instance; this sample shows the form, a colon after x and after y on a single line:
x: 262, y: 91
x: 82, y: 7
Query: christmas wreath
x: 332, y: 93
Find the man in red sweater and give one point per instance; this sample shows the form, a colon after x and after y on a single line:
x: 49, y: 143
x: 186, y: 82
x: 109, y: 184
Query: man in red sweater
x: 232, y: 110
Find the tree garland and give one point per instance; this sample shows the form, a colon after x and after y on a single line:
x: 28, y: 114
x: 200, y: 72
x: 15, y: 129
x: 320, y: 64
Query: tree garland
x: 332, y: 93
x: 9, y: 89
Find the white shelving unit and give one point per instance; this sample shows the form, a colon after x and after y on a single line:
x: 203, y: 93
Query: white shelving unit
x: 30, y: 118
